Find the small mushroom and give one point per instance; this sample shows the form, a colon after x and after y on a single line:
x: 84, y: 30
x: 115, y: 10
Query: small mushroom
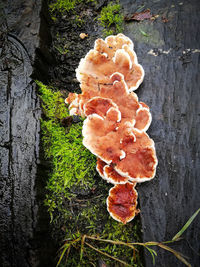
x: 83, y: 35
x: 122, y: 202
x: 73, y: 100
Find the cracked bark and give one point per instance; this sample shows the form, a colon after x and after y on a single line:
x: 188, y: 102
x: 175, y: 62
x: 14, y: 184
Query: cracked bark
x: 171, y: 60
x: 19, y: 135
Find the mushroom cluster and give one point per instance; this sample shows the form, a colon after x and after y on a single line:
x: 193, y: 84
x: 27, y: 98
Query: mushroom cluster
x: 116, y: 122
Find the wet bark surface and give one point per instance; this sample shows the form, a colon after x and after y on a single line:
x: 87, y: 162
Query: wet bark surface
x: 170, y: 56
x: 169, y: 53
x: 20, y: 112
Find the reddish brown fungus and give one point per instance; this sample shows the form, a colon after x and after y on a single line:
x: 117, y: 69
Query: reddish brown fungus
x: 99, y: 167
x: 131, y: 150
x: 103, y: 142
x: 112, y: 176
x: 143, y: 118
x: 122, y: 202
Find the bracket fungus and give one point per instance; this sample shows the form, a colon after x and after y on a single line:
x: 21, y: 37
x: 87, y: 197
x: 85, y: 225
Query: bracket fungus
x: 116, y: 122
x: 122, y: 202
x: 116, y: 90
x: 115, y: 54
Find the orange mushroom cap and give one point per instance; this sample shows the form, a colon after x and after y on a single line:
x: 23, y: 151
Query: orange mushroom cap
x: 143, y: 118
x: 108, y: 173
x: 122, y: 202
x: 140, y: 162
x: 99, y: 135
x: 115, y: 54
x: 112, y: 176
x: 99, y: 167
x: 131, y: 151
x: 98, y: 105
x: 115, y: 94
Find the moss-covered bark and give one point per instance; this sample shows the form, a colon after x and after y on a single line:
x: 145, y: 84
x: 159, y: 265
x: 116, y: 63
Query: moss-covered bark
x: 76, y: 195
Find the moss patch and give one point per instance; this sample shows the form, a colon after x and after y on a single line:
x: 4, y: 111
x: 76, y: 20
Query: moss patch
x: 76, y: 195
x: 111, y: 19
x: 65, y: 5
x: 72, y: 164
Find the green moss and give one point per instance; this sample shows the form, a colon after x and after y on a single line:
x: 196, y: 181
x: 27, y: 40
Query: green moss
x: 76, y: 195
x: 63, y: 46
x: 52, y: 103
x: 62, y: 6
x: 72, y: 164
x: 62, y: 50
x: 111, y: 19
x: 89, y: 216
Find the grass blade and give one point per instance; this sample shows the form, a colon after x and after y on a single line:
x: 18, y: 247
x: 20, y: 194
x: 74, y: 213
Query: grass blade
x: 144, y: 33
x: 62, y: 254
x: 176, y: 254
x: 107, y: 255
x: 82, y: 245
x: 111, y: 241
x: 186, y: 226
x: 153, y: 254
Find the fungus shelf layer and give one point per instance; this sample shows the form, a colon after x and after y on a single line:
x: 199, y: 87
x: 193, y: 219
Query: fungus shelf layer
x: 108, y: 173
x: 122, y: 202
x: 115, y: 54
x: 116, y: 122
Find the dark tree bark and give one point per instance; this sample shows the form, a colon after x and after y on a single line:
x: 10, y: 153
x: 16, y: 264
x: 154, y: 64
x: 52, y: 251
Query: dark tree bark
x: 20, y: 36
x: 170, y: 56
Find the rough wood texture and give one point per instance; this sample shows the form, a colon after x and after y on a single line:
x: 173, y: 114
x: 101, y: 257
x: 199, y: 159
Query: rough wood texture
x: 170, y: 55
x: 19, y: 132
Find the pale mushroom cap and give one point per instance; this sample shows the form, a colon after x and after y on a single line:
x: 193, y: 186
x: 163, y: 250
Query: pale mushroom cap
x: 127, y: 103
x: 83, y: 35
x: 115, y: 54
